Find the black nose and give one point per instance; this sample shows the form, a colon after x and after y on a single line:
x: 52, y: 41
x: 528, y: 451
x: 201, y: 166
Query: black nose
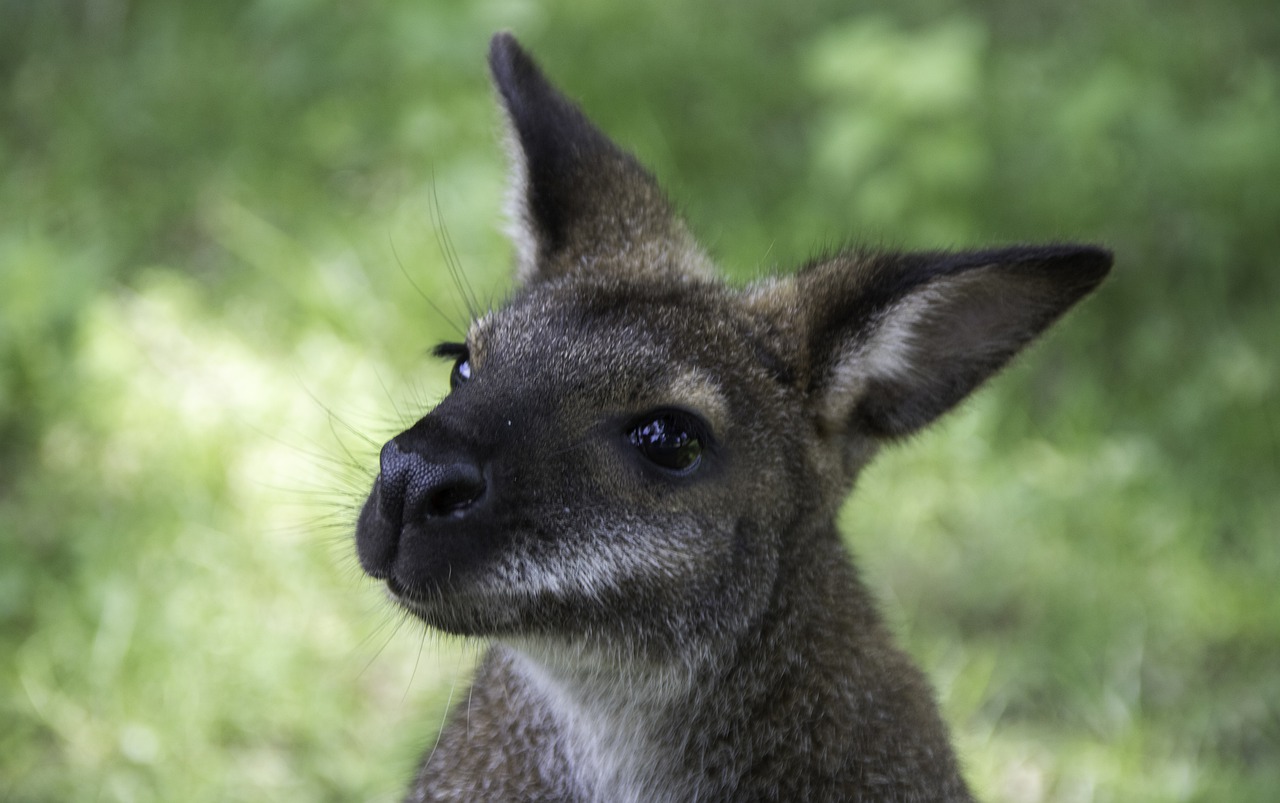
x: 412, y: 487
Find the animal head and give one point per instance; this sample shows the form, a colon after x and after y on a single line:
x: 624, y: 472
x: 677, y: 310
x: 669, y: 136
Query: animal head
x: 634, y: 451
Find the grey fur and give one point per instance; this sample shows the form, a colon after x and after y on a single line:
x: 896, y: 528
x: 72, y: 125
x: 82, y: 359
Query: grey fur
x: 658, y: 635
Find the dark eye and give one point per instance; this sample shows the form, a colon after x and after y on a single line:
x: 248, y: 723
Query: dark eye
x: 461, y: 357
x: 461, y: 371
x: 669, y: 439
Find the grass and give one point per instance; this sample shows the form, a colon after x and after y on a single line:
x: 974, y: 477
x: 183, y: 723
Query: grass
x: 221, y: 265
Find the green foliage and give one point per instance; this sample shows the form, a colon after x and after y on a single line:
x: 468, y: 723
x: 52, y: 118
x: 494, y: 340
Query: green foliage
x: 223, y: 230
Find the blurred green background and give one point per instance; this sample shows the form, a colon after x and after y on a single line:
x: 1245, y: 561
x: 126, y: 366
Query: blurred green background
x: 214, y: 221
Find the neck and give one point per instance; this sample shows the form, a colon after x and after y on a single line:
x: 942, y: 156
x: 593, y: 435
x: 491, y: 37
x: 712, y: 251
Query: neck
x: 631, y: 723
x: 617, y: 719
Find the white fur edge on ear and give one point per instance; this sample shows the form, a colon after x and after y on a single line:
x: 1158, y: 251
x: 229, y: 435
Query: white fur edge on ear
x: 927, y: 351
x: 678, y: 249
x: 518, y: 226
x: 885, y: 351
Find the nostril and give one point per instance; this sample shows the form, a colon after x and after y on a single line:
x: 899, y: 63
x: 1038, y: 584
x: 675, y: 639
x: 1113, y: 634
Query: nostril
x: 413, y: 487
x: 460, y: 487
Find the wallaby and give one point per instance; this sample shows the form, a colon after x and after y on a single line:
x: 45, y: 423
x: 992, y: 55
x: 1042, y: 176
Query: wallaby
x: 630, y: 493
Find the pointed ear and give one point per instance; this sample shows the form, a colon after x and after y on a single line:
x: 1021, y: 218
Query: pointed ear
x: 895, y: 341
x: 577, y: 199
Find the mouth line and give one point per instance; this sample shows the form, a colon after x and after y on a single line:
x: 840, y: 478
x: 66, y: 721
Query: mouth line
x: 401, y: 592
x: 430, y: 604
x: 413, y: 602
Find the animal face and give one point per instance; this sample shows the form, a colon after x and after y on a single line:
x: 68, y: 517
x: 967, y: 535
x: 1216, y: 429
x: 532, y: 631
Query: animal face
x: 632, y: 448
x: 631, y: 454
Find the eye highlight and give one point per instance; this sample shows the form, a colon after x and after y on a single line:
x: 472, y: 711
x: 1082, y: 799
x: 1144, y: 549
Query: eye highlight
x: 461, y: 371
x: 670, y: 439
x: 462, y: 361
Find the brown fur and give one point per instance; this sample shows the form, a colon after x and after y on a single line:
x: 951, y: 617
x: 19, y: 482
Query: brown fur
x: 666, y: 624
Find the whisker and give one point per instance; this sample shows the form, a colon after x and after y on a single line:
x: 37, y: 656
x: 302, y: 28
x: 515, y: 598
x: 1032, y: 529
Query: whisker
x: 460, y: 329
x: 450, y: 255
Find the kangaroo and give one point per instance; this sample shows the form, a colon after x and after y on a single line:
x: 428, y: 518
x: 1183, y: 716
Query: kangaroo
x: 630, y: 492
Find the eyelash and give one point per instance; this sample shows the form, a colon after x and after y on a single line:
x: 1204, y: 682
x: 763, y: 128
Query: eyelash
x: 451, y: 351
x: 461, y: 356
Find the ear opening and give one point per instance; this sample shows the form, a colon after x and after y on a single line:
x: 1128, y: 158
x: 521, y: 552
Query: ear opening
x: 899, y: 340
